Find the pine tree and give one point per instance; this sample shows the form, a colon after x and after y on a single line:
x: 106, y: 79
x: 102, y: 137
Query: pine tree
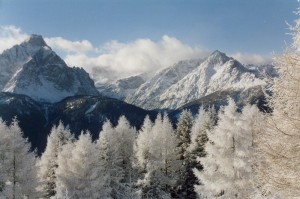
x: 81, y: 174
x: 48, y: 165
x: 18, y: 163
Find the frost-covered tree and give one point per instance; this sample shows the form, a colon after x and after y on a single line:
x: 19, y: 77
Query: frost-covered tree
x: 18, y: 165
x: 108, y: 155
x: 116, y: 147
x: 162, y: 165
x: 183, y: 133
x: 228, y: 164
x: 48, y: 165
x: 124, y: 141
x: 80, y: 174
x: 280, y: 141
x: 142, y: 149
x: 142, y: 145
x: 247, y: 157
x: 202, y: 125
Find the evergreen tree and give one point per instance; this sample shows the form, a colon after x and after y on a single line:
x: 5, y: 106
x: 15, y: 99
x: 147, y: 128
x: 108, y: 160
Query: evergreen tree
x: 81, y: 175
x: 48, y: 165
x: 18, y: 164
x: 183, y: 132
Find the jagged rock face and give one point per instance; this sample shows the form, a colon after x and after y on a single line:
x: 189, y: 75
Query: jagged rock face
x: 45, y: 76
x: 215, y: 73
x: 121, y: 88
x: 12, y: 60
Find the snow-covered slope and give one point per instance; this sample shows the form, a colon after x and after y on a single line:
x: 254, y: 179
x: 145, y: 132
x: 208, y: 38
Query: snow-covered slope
x: 43, y: 75
x: 174, y: 88
x: 11, y: 60
x: 148, y: 92
x: 121, y: 88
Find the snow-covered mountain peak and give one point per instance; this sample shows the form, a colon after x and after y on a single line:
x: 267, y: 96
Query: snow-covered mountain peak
x: 36, y: 40
x: 217, y: 57
x: 12, y: 60
x: 33, y: 69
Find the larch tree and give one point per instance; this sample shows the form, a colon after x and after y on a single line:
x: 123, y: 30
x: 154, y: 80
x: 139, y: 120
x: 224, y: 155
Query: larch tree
x: 19, y: 164
x: 246, y: 158
x: 279, y: 143
x: 162, y: 167
x: 48, y: 164
x: 142, y: 151
x: 142, y: 145
x: 222, y: 170
x: 116, y: 147
x: 125, y: 138
x: 203, y: 124
x: 81, y: 175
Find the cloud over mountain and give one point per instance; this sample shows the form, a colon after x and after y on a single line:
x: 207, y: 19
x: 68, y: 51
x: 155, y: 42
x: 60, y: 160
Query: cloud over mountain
x: 121, y: 58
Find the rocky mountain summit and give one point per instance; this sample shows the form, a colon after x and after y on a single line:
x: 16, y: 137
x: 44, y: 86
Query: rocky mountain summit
x: 34, y: 69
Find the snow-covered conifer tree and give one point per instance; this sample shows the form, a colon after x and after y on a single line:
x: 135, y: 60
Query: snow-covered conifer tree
x: 142, y: 150
x: 183, y: 133
x: 247, y: 159
x: 58, y: 137
x: 141, y: 147
x: 119, y: 153
x: 229, y: 163
x: 218, y: 176
x: 162, y: 166
x: 203, y: 124
x: 19, y: 179
x: 280, y: 141
x: 81, y: 175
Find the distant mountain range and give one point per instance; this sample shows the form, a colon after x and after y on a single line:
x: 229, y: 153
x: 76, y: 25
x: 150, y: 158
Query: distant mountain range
x: 41, y: 90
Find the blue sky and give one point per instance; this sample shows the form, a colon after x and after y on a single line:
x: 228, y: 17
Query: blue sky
x: 233, y: 26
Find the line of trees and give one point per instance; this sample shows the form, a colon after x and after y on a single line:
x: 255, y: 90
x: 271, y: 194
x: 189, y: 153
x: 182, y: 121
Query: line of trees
x: 208, y: 157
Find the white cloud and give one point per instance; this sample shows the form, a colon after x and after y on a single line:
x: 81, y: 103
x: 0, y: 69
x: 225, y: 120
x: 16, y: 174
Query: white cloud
x: 247, y: 58
x: 10, y: 36
x: 123, y: 59
x: 67, y: 46
x: 141, y: 55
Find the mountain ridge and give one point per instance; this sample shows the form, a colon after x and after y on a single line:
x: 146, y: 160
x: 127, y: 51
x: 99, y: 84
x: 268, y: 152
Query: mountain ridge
x: 216, y: 72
